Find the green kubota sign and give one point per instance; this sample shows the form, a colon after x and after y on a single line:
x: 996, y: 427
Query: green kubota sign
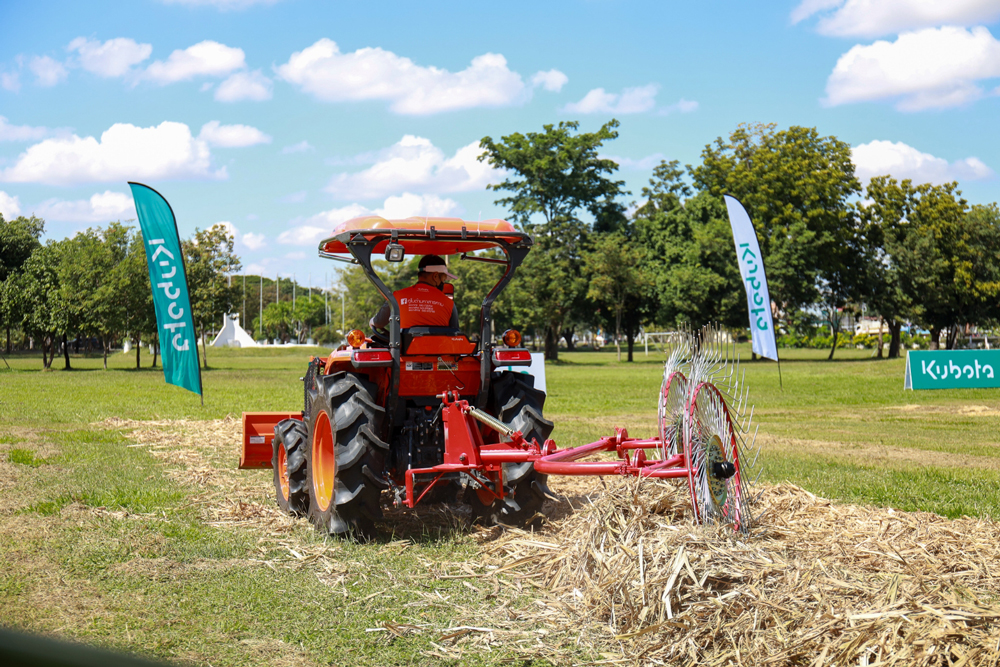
x: 168, y: 279
x: 950, y: 369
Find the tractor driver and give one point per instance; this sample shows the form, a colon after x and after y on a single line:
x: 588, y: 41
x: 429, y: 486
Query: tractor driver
x: 424, y: 304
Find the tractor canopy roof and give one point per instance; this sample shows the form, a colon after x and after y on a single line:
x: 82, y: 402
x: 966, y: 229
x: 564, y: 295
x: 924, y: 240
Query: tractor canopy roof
x: 423, y: 236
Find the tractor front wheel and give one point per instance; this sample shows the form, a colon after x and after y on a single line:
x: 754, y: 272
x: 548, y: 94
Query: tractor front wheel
x: 289, y: 464
x: 345, y: 457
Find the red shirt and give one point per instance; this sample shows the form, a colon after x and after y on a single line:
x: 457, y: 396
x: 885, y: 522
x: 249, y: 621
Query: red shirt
x: 423, y: 306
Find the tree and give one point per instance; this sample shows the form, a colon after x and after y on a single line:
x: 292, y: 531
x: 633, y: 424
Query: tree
x: 881, y: 286
x: 619, y: 282
x: 666, y: 191
x: 129, y: 285
x: 87, y: 289
x: 796, y: 186
x: 18, y: 239
x: 556, y: 175
x: 32, y: 295
x: 475, y: 280
x: 690, y: 253
x: 208, y: 258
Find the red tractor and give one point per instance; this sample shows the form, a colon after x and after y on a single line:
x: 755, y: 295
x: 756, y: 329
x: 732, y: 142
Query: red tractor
x: 376, y: 414
x: 433, y: 413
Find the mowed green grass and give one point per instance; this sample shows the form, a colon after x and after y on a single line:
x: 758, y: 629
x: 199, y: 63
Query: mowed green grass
x: 148, y: 574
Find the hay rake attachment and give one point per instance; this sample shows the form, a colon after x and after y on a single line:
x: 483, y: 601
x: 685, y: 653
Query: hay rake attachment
x: 704, y: 434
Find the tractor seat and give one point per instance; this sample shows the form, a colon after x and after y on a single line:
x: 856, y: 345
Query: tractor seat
x: 436, y: 340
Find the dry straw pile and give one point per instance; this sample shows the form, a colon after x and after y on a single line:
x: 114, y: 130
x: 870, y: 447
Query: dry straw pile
x: 818, y: 584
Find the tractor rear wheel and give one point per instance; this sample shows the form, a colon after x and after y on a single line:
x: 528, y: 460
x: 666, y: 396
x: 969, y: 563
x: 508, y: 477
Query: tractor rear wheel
x: 345, y: 457
x: 516, y: 402
x: 288, y: 461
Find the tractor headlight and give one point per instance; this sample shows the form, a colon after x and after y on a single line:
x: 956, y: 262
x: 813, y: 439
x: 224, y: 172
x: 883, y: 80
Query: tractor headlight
x: 356, y: 338
x: 512, y: 338
x: 394, y: 252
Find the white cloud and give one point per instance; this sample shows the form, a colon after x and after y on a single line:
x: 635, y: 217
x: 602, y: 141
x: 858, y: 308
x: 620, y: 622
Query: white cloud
x: 10, y: 206
x: 873, y: 18
x: 100, y: 208
x: 880, y: 158
x: 10, y: 81
x: 252, y: 86
x: 807, y: 8
x: 224, y: 5
x: 206, y: 58
x: 231, y: 136
x: 254, y: 241
x: 250, y: 240
x: 407, y: 205
x: 681, y: 106
x: 642, y: 164
x: 375, y: 74
x: 321, y: 225
x: 48, y: 72
x: 124, y: 152
x: 415, y: 164
x: 112, y: 58
x: 10, y: 132
x: 301, y: 147
x: 631, y: 100
x: 933, y: 68
x: 552, y: 80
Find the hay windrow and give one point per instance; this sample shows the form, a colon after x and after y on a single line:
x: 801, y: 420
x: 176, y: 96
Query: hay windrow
x: 824, y: 582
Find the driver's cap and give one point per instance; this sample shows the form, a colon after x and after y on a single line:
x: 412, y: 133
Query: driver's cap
x: 434, y: 264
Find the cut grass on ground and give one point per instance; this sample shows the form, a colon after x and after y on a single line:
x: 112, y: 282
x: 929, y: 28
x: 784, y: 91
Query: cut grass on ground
x: 101, y: 539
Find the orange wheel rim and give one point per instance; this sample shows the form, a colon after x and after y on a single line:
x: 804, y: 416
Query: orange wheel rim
x: 283, y: 471
x: 324, y: 464
x: 486, y: 497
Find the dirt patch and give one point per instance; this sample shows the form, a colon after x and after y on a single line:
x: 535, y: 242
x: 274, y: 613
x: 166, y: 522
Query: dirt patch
x: 873, y: 454
x: 964, y: 410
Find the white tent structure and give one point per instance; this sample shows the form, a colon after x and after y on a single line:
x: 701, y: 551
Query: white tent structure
x: 232, y: 334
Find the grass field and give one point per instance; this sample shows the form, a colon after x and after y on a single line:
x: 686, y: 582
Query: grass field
x: 103, y: 540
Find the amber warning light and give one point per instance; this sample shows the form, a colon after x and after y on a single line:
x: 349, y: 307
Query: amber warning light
x: 355, y: 338
x: 512, y: 338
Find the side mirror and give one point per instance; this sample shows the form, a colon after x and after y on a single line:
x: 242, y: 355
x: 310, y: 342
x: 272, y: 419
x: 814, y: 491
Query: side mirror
x: 448, y: 289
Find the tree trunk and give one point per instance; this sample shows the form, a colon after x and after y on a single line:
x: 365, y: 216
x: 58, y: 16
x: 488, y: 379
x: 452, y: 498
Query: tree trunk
x: 935, y: 339
x: 66, y: 352
x: 836, y: 333
x: 8, y: 340
x: 894, y: 338
x: 104, y: 345
x: 567, y: 335
x: 204, y: 348
x: 156, y: 349
x: 45, y: 358
x: 631, y: 342
x: 618, y: 334
x: 880, y: 344
x: 138, y: 344
x: 952, y: 336
x: 551, y: 345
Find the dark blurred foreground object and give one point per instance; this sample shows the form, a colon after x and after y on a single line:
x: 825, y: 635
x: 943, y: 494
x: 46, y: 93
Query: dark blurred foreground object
x: 20, y: 650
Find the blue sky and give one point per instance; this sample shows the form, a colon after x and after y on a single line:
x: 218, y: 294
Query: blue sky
x: 281, y: 118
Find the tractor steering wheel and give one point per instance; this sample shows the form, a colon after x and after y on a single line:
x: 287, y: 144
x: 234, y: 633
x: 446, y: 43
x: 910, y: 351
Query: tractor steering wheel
x: 380, y: 337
